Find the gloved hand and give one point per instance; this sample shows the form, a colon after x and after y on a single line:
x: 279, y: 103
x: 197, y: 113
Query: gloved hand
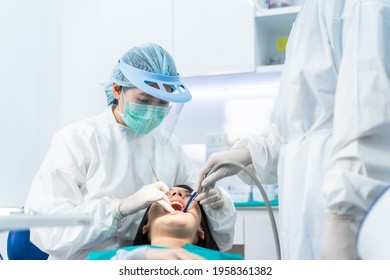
x: 212, y: 196
x: 241, y: 155
x: 142, y: 199
x: 339, y: 239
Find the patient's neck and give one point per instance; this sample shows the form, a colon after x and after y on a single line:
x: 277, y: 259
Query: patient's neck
x: 170, y: 242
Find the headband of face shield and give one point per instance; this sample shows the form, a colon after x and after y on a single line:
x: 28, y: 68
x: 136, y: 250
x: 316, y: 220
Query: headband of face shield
x: 168, y: 88
x: 147, y: 110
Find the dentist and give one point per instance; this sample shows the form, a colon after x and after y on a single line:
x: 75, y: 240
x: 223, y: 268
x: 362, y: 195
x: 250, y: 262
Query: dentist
x: 113, y: 166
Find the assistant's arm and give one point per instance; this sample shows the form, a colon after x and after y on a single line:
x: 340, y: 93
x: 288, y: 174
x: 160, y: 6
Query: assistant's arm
x: 360, y: 149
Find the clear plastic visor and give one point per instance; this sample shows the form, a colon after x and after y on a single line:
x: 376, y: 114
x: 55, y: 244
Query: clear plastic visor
x: 143, y: 112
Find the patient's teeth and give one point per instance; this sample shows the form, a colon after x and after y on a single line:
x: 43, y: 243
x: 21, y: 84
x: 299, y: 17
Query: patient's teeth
x: 177, y: 205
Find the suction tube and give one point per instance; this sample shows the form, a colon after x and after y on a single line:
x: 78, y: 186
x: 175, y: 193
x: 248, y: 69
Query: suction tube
x: 263, y: 193
x: 194, y: 193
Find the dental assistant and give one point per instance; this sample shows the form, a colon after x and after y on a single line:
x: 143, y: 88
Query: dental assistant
x: 114, y: 165
x: 328, y: 147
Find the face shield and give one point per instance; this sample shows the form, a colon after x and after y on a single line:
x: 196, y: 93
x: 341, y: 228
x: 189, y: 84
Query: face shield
x: 157, y: 100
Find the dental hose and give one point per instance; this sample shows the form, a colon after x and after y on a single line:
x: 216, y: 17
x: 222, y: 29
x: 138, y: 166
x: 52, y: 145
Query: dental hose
x: 263, y: 193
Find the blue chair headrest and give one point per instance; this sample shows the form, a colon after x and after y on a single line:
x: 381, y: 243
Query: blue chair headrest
x: 19, y: 247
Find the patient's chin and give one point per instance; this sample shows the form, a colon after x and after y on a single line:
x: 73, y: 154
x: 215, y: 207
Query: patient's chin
x: 174, y: 222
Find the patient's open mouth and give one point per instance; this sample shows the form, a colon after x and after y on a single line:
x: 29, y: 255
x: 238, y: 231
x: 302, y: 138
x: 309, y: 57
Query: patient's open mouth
x: 177, y: 205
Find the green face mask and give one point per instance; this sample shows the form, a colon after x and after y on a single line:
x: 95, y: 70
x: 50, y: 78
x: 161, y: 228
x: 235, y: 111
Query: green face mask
x: 142, y: 119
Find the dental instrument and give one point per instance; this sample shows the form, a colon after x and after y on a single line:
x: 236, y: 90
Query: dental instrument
x: 194, y: 193
x: 200, y: 188
x: 154, y: 171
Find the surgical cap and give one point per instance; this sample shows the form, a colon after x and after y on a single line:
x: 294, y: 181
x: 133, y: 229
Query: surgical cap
x: 149, y: 57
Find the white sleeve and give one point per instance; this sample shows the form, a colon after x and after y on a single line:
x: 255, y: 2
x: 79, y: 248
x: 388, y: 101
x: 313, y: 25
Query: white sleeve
x: 361, y: 138
x: 222, y: 222
x: 57, y: 188
x: 136, y: 254
x: 264, y: 149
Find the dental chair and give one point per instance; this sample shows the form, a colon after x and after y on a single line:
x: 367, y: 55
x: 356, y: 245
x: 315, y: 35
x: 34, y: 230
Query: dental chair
x: 19, y: 247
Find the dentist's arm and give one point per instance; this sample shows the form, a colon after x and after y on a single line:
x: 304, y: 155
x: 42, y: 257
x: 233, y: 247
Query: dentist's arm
x: 142, y: 199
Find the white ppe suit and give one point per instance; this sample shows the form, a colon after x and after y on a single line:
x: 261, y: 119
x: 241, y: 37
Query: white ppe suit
x: 93, y: 162
x: 328, y: 147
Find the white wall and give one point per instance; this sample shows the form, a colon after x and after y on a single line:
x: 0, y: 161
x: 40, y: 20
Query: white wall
x: 30, y: 79
x: 30, y: 93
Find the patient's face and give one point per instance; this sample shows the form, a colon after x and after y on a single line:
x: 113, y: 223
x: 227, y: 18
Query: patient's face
x: 177, y: 223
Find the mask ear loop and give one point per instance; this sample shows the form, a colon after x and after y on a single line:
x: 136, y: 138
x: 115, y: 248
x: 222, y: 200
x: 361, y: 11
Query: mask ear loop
x: 122, y: 111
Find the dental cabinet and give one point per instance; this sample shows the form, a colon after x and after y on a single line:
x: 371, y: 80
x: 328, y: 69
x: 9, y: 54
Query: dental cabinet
x: 213, y: 37
x: 272, y: 28
x: 230, y: 36
x: 205, y: 37
x: 253, y: 236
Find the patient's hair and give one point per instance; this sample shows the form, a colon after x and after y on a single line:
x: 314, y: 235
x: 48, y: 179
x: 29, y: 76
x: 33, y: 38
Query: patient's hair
x: 207, y: 242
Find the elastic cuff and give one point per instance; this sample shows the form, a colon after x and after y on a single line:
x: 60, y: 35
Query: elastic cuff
x: 115, y: 210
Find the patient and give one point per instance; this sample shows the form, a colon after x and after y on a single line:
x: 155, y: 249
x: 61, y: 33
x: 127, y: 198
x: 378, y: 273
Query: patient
x: 177, y: 235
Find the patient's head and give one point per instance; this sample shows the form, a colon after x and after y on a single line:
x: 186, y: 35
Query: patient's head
x: 161, y: 228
